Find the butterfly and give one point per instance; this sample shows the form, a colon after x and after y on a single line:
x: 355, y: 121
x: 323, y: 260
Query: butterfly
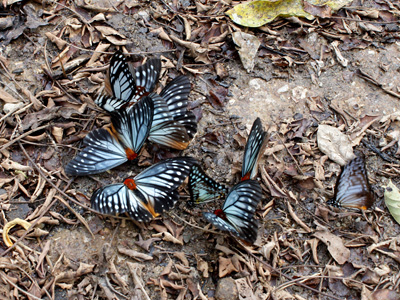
x: 203, y: 189
x: 126, y: 84
x: 352, y: 188
x: 237, y: 213
x: 108, y: 148
x: 253, y: 150
x: 148, y: 194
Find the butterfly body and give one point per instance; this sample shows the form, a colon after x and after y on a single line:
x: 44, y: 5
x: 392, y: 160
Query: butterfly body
x: 148, y: 194
x: 352, y: 187
x: 108, y: 148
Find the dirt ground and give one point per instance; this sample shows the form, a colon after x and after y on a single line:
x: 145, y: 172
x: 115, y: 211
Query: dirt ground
x: 54, y: 59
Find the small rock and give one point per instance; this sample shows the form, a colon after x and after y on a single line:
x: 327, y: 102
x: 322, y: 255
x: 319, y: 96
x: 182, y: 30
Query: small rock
x: 283, y: 89
x: 226, y: 289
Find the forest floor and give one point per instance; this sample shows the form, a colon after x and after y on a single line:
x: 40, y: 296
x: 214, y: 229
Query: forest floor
x: 342, y: 70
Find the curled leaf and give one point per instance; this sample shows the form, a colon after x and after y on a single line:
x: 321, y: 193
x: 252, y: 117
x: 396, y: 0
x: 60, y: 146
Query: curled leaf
x: 392, y: 200
x: 10, y: 225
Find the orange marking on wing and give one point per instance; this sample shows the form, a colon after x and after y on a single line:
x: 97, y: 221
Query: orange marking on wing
x: 220, y: 213
x: 246, y: 177
x: 130, y: 154
x: 130, y: 184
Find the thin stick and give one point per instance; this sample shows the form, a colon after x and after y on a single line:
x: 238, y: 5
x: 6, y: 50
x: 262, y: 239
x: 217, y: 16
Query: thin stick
x: 18, y: 288
x: 5, y: 146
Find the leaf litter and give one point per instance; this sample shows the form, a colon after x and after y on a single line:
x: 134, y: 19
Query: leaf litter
x: 304, y: 248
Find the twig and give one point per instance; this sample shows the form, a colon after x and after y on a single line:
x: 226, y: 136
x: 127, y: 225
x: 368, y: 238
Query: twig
x: 291, y: 279
x: 18, y: 288
x: 197, y: 227
x: 5, y: 146
x: 60, y: 191
x: 369, y: 79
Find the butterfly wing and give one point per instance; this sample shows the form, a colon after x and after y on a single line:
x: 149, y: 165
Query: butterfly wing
x: 238, y: 211
x: 146, y: 76
x: 204, y: 189
x: 102, y: 152
x: 123, y: 84
x: 158, y: 183
x: 164, y: 129
x: 254, y: 149
x: 117, y: 199
x: 109, y: 103
x: 133, y: 125
x: 352, y: 188
x: 176, y: 95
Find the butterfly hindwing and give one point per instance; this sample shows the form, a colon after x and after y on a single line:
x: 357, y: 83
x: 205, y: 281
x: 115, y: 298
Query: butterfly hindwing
x: 254, y: 149
x: 102, y: 152
x: 202, y: 188
x: 352, y: 188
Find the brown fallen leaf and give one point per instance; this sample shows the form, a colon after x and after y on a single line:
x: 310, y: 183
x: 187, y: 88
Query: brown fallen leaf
x: 225, y: 267
x: 335, y: 245
x: 134, y: 254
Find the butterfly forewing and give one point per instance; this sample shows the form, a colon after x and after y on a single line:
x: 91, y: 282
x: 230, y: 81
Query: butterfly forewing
x: 202, y: 188
x: 254, y: 149
x: 133, y: 125
x: 109, y: 103
x: 352, y: 187
x: 146, y: 76
x: 102, y: 152
x: 117, y: 199
x: 164, y: 129
x: 156, y: 181
x: 176, y: 95
x: 188, y: 120
x: 121, y: 79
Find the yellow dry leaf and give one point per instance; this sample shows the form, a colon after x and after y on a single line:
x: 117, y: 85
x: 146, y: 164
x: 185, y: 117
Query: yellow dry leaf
x: 10, y: 225
x: 392, y: 200
x: 260, y: 12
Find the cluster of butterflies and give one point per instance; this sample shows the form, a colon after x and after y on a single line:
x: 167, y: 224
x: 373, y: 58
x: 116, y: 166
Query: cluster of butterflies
x: 139, y: 114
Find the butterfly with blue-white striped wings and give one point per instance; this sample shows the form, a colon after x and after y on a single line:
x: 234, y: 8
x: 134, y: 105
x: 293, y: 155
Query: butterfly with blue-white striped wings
x: 253, y: 150
x: 352, y: 189
x: 237, y: 213
x: 108, y: 148
x: 126, y: 84
x: 148, y: 194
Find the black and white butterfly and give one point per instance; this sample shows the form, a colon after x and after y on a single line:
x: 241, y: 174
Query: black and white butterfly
x: 237, y: 213
x: 126, y: 84
x: 148, y: 194
x: 203, y: 189
x: 108, y: 148
x: 254, y: 149
x: 352, y: 188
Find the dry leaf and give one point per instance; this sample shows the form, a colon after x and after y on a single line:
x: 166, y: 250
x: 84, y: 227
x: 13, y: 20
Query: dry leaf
x: 10, y: 225
x: 248, y: 46
x: 335, y: 246
x: 335, y: 144
x: 392, y: 200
